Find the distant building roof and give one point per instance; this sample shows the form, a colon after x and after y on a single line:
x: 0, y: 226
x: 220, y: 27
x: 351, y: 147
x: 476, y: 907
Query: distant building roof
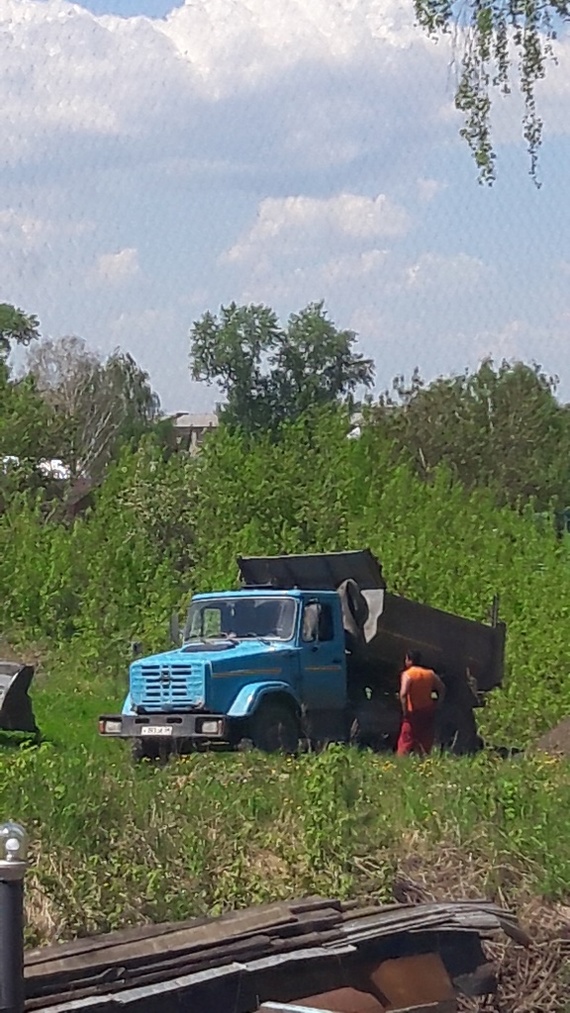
x: 190, y: 428
x: 189, y: 420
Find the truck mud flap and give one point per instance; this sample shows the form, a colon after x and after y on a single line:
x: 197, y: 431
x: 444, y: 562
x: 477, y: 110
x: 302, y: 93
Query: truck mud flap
x: 16, y: 711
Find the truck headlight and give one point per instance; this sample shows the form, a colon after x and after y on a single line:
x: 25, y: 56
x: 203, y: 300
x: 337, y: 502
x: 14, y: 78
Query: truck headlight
x: 110, y: 727
x: 211, y: 727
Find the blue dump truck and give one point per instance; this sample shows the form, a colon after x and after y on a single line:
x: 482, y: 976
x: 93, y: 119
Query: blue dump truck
x: 307, y: 652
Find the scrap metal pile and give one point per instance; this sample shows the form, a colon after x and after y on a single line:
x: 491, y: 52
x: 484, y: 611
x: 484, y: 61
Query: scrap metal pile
x: 315, y: 954
x: 16, y: 712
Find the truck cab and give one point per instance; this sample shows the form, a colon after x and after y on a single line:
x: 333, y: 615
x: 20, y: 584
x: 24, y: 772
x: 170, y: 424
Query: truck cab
x: 253, y: 664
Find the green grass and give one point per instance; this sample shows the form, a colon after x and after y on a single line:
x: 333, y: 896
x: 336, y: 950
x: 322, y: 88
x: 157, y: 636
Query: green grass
x: 115, y: 844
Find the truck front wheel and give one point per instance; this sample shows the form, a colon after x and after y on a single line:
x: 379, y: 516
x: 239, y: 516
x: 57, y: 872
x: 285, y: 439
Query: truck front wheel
x: 274, y: 728
x: 153, y: 750
x: 141, y: 750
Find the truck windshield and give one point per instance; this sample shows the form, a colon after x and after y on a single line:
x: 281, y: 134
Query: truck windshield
x: 241, y: 618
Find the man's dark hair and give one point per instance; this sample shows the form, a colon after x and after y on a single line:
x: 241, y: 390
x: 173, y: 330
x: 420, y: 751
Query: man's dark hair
x: 414, y: 656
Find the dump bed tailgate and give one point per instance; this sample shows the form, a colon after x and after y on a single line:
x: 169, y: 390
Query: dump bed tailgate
x: 323, y: 571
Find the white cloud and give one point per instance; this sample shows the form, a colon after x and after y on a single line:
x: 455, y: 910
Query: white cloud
x: 117, y: 268
x: 507, y: 343
x: 297, y: 224
x: 304, y: 248
x: 247, y: 42
x: 519, y: 340
x: 428, y: 189
x: 441, y: 271
x: 311, y: 141
x: 32, y: 234
x: 65, y: 71
x: 354, y: 266
x: 39, y: 252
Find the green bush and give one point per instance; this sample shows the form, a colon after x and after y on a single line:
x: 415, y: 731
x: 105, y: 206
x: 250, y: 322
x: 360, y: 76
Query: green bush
x: 114, y: 844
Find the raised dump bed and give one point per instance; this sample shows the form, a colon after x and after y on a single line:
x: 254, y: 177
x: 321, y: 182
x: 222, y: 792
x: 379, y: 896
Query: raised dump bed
x: 381, y: 626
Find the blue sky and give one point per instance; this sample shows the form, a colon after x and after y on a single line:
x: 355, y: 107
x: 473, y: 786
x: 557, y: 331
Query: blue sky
x: 277, y: 151
x: 130, y: 8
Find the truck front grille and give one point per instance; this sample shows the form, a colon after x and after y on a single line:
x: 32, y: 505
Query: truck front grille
x: 167, y: 686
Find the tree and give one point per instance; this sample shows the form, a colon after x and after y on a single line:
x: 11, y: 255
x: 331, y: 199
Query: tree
x: 26, y: 422
x: 99, y: 404
x: 491, y: 30
x: 270, y: 374
x: 500, y: 427
x: 16, y: 327
x: 27, y: 437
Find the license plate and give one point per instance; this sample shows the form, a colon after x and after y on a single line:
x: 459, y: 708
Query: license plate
x: 156, y: 730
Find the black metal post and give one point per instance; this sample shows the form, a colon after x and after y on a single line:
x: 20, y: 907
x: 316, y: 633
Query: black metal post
x: 12, y: 936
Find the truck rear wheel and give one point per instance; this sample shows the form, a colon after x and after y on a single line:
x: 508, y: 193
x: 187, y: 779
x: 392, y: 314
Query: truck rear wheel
x: 275, y: 729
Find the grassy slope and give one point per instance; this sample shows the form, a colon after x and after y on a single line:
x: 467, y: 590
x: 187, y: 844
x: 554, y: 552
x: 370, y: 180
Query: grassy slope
x: 114, y: 844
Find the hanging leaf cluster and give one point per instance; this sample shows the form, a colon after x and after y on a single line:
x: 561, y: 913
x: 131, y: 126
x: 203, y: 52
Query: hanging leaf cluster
x: 491, y: 38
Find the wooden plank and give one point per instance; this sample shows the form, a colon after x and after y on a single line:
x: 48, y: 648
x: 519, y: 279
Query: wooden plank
x: 185, y: 940
x: 80, y: 969
x: 161, y: 969
x: 298, y: 907
x: 276, y: 914
x: 133, y: 975
x: 311, y: 921
x: 129, y: 977
x: 168, y: 995
x: 462, y: 914
x: 87, y: 944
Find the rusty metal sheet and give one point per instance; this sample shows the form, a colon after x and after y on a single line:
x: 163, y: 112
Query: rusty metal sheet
x: 346, y: 1000
x: 410, y: 981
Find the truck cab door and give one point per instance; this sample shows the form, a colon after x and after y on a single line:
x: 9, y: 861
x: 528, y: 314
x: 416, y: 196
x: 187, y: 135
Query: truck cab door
x: 323, y: 664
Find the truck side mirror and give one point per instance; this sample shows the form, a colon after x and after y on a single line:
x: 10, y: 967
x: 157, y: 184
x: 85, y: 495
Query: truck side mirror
x: 136, y: 648
x: 174, y: 630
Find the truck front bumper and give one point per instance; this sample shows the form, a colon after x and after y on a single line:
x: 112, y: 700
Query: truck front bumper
x: 164, y: 726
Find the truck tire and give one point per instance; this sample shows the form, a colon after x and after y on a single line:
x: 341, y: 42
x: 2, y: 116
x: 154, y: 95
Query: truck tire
x: 141, y: 750
x: 376, y: 726
x: 274, y: 728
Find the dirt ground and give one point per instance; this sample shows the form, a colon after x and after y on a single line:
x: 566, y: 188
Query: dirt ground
x: 557, y: 740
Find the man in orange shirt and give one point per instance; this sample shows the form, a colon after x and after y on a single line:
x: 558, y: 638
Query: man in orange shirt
x: 421, y: 692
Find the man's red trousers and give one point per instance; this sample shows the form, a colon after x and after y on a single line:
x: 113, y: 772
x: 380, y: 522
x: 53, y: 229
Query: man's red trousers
x: 417, y: 733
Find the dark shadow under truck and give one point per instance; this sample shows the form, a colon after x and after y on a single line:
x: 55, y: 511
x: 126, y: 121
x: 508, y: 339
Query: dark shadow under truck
x: 309, y: 650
